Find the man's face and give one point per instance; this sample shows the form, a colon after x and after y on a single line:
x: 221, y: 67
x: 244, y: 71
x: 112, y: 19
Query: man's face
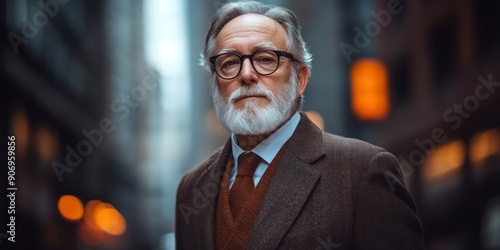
x: 251, y: 97
x: 244, y: 35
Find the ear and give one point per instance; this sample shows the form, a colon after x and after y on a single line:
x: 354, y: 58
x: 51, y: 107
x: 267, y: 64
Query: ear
x: 303, y: 76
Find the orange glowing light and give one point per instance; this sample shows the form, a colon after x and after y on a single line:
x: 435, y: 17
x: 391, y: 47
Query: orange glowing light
x: 484, y: 145
x: 109, y: 220
x: 46, y: 143
x: 88, y: 215
x: 20, y: 128
x: 445, y: 159
x: 70, y: 207
x: 369, y: 89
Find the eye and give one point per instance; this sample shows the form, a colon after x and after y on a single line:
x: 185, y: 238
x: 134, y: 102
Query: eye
x: 228, y: 62
x: 265, y: 58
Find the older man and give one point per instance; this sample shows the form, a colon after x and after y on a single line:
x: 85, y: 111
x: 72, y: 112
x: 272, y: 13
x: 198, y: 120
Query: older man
x: 280, y: 182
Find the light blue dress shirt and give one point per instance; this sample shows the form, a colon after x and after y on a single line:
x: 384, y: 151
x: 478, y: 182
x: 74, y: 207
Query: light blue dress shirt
x: 267, y: 149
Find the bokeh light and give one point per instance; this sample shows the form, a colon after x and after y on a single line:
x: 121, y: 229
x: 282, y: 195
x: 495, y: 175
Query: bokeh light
x: 109, y: 220
x: 444, y: 160
x: 483, y: 145
x: 46, y: 143
x: 20, y: 128
x: 369, y: 89
x: 70, y: 207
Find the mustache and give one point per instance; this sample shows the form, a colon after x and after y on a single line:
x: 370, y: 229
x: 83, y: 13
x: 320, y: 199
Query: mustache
x: 243, y: 92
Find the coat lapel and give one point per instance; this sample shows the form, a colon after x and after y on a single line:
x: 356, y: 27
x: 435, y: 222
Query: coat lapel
x: 290, y: 187
x: 205, y: 185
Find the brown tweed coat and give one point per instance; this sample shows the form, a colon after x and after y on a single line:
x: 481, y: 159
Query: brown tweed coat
x: 328, y: 192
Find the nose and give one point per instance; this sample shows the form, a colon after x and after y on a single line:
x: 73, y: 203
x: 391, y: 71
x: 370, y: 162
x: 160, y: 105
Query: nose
x: 248, y: 74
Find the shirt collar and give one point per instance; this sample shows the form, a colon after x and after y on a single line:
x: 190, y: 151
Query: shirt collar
x: 268, y: 148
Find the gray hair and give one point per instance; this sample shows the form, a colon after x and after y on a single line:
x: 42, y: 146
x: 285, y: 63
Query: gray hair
x: 294, y: 42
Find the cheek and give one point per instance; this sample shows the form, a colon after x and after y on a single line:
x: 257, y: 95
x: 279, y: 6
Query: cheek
x: 226, y: 89
x: 278, y: 84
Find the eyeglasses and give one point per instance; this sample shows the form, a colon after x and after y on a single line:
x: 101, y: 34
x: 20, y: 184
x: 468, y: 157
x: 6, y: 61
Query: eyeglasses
x: 265, y: 62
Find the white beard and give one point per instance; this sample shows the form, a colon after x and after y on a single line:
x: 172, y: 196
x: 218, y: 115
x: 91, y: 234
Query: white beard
x: 252, y: 119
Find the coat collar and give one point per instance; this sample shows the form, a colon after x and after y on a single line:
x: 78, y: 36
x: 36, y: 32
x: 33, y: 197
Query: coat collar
x: 291, y: 185
x: 306, y: 142
x: 209, y: 183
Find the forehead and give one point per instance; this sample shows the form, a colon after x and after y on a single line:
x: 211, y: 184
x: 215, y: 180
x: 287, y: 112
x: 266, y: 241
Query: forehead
x: 246, y: 32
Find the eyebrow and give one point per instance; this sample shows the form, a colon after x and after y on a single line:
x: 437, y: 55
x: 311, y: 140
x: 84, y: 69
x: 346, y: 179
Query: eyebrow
x: 259, y: 46
x: 266, y: 45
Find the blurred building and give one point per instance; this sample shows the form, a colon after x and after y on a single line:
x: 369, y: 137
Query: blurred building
x: 443, y: 59
x: 206, y: 132
x: 75, y: 91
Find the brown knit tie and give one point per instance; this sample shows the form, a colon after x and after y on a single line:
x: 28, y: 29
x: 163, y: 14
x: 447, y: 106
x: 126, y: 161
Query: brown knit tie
x: 243, y: 184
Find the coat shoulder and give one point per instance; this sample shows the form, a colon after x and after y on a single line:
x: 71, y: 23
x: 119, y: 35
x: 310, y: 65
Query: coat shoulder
x: 349, y: 147
x: 356, y: 157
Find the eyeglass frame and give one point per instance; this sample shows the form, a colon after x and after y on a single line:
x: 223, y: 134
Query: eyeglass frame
x: 279, y: 54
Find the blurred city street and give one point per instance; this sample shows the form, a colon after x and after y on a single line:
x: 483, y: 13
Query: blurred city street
x: 105, y: 107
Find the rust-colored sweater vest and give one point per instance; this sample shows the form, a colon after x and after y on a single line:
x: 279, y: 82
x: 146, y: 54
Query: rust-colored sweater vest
x: 233, y: 233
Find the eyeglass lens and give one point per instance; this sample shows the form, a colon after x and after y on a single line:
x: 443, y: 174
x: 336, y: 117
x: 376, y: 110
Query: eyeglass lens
x: 229, y: 65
